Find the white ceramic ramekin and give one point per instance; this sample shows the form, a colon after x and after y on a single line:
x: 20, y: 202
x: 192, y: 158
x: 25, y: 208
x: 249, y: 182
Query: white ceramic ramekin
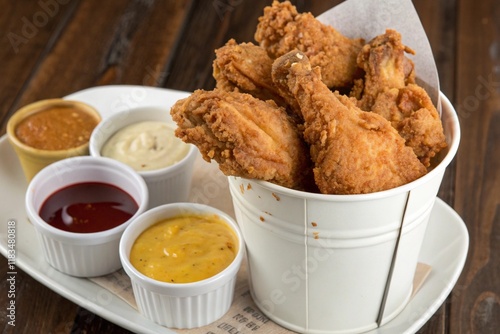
x: 166, y: 185
x: 180, y: 305
x: 82, y: 254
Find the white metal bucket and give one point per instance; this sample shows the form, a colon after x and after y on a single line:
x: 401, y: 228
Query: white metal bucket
x: 321, y: 263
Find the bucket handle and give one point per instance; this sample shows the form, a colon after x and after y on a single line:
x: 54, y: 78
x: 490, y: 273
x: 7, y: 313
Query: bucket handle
x: 380, y: 316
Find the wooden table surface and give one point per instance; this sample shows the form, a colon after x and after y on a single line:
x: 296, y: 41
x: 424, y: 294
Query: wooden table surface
x: 51, y: 48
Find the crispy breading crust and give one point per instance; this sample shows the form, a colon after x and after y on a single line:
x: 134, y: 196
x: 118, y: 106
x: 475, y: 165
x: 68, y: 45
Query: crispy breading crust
x: 282, y: 29
x: 389, y: 89
x: 353, y: 151
x: 246, y: 136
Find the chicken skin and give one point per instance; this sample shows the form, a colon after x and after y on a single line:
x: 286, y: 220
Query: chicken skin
x: 282, y: 29
x: 246, y: 68
x: 353, y: 151
x: 389, y: 90
x: 246, y: 136
x: 385, y: 65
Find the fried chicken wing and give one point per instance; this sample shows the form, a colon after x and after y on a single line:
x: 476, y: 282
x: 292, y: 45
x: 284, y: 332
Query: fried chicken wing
x: 282, y: 29
x: 353, y: 151
x: 412, y: 113
x: 246, y: 68
x: 385, y: 65
x: 248, y: 137
x: 389, y: 90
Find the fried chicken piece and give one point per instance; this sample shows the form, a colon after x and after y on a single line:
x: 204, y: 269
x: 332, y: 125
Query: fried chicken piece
x: 248, y: 137
x: 385, y: 65
x: 390, y: 90
x: 412, y: 113
x: 353, y: 151
x: 246, y: 68
x: 282, y: 29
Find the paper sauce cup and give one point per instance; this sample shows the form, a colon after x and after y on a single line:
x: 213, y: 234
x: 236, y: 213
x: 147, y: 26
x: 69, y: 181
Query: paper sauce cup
x: 32, y: 159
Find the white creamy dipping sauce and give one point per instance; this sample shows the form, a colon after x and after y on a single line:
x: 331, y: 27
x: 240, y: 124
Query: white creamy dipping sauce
x: 147, y: 145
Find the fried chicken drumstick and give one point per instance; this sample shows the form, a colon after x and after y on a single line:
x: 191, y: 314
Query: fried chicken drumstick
x: 282, y: 29
x: 353, y: 151
x: 389, y: 90
x: 248, y: 137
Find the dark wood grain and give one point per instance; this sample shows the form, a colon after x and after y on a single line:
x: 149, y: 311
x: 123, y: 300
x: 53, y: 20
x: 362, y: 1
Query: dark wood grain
x: 169, y: 43
x: 192, y: 69
x: 439, y: 21
x: 41, y: 310
x: 126, y: 42
x: 476, y: 300
x: 28, y: 34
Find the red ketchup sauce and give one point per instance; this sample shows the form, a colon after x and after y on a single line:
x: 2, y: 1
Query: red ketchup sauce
x: 88, y: 207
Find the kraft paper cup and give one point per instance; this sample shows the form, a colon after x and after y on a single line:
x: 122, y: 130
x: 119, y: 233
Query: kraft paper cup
x: 320, y: 263
x: 166, y: 185
x: 32, y: 159
x: 181, y: 305
x: 82, y: 254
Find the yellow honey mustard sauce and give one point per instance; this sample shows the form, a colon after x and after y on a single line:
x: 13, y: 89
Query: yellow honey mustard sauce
x: 147, y: 145
x: 186, y: 248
